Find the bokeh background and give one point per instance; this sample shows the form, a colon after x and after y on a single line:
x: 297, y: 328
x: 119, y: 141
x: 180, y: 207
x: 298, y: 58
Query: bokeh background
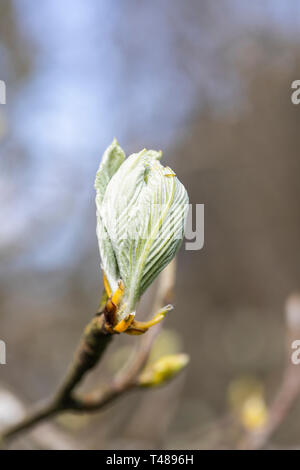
x: 209, y: 83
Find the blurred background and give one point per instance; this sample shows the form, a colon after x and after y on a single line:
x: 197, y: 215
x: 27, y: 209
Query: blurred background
x: 209, y: 83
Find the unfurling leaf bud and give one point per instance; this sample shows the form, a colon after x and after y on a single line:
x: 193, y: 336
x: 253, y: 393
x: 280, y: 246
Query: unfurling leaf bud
x: 164, y: 369
x: 141, y: 213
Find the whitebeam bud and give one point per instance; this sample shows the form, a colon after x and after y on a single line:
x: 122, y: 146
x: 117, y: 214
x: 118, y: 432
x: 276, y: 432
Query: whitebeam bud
x: 141, y: 214
x: 164, y: 369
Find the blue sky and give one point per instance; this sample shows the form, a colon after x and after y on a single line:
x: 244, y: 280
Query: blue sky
x: 105, y: 69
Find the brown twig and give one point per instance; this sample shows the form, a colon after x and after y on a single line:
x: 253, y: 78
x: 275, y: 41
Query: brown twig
x: 91, y: 348
x: 289, y: 389
x: 126, y: 379
x: 94, y: 341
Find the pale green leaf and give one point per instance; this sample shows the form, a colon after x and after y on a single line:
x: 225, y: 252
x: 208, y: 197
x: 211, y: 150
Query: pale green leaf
x: 143, y: 211
x: 112, y: 159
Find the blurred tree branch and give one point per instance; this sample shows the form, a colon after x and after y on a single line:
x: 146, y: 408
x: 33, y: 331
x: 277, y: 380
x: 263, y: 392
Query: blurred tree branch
x: 289, y: 389
x: 94, y: 341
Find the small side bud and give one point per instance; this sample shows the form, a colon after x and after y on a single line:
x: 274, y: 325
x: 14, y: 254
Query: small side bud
x: 254, y: 413
x: 164, y: 369
x: 246, y: 399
